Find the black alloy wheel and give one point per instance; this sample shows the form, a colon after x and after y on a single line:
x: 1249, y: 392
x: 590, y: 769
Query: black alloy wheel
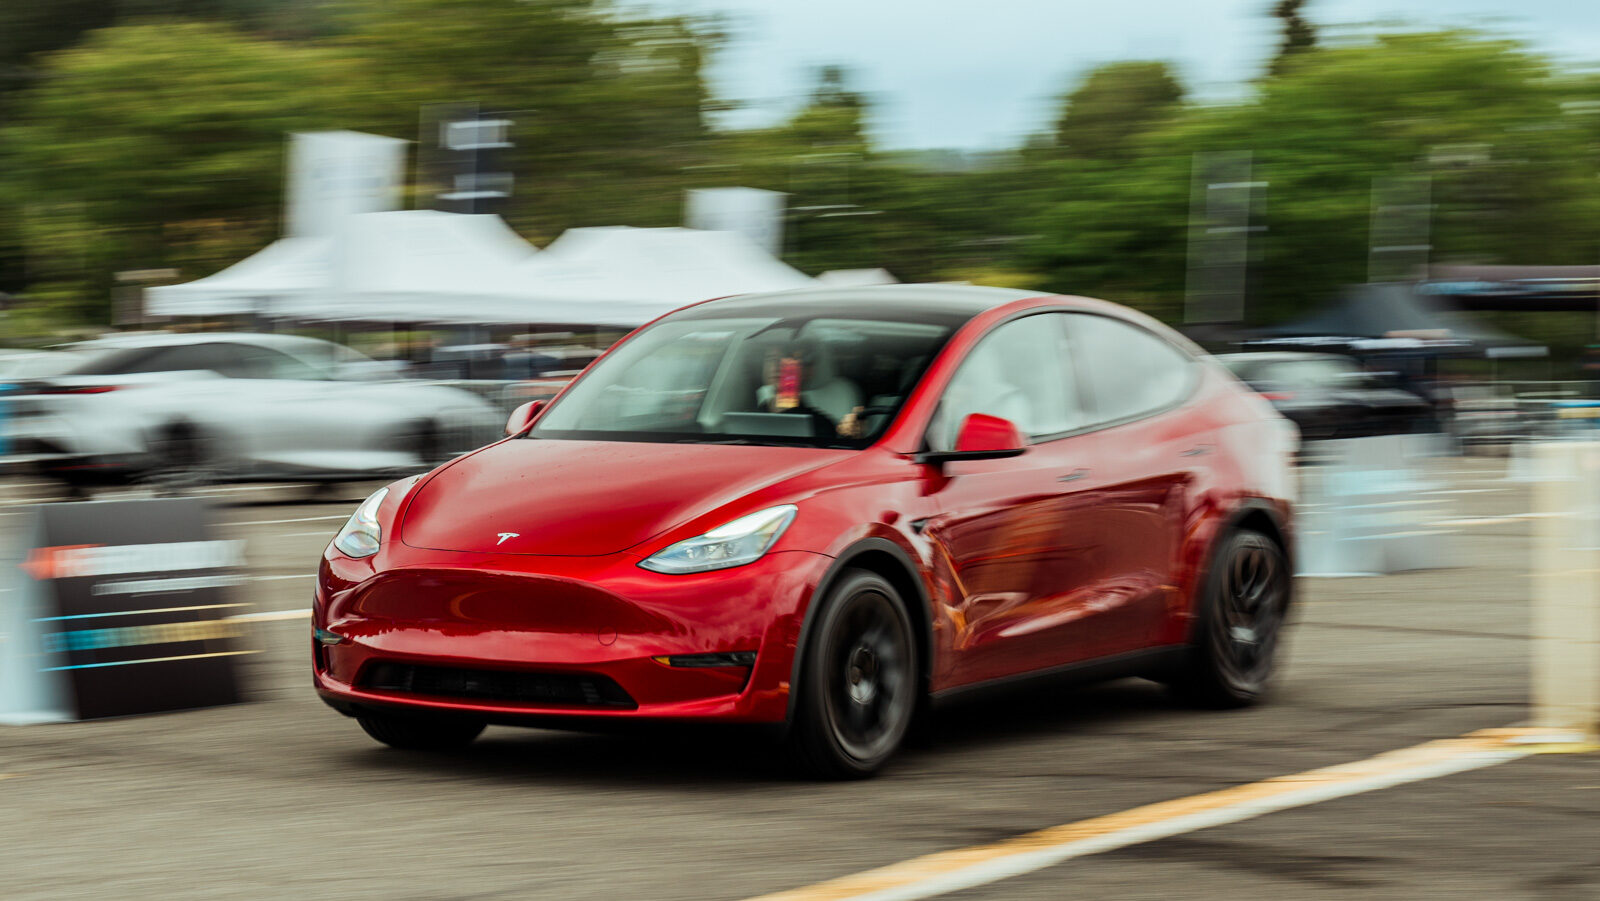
x: 859, y: 682
x: 1241, y: 618
x: 181, y: 461
x: 427, y: 441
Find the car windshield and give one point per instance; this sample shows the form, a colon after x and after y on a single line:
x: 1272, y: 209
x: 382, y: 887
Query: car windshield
x: 816, y: 382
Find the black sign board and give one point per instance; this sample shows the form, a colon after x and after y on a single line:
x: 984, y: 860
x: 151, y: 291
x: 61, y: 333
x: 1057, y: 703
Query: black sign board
x: 461, y: 158
x: 122, y: 607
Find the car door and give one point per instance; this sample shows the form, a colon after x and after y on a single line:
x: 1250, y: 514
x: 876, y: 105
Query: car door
x: 298, y: 419
x: 207, y: 405
x: 1014, y: 541
x: 1152, y: 451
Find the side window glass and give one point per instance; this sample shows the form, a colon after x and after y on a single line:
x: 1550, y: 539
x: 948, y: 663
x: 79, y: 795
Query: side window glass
x: 273, y: 364
x: 1128, y: 371
x: 190, y: 357
x: 245, y: 362
x: 1021, y: 372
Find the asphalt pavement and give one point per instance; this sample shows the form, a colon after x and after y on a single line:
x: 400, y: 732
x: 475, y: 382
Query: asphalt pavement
x: 281, y: 797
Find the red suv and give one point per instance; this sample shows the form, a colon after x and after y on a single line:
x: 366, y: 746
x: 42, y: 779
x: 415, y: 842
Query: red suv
x: 817, y: 510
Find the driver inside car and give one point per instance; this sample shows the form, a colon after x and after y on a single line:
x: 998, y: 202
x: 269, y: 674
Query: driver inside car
x: 804, y: 379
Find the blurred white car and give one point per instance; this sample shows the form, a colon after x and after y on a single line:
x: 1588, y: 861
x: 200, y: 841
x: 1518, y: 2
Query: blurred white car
x: 189, y: 409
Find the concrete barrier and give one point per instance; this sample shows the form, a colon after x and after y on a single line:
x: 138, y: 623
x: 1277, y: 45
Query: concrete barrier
x: 1365, y: 508
x: 1565, y: 621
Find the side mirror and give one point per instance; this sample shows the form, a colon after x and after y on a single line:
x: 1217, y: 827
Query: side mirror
x: 523, y: 416
x: 982, y: 437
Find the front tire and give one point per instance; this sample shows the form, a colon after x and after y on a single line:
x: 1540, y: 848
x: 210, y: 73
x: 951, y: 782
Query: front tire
x: 1240, y: 619
x: 420, y: 733
x: 858, y: 683
x: 427, y: 441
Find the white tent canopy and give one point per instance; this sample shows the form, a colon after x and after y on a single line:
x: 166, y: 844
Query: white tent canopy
x: 426, y: 266
x: 416, y: 266
x: 400, y: 265
x: 857, y: 278
x: 627, y: 276
x: 260, y: 283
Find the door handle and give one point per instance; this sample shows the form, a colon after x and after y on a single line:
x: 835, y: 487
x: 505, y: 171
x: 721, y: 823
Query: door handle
x: 1073, y: 476
x: 1198, y: 450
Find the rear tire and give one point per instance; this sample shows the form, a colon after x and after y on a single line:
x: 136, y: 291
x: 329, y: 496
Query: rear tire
x: 1239, y: 620
x: 420, y: 733
x: 858, y: 686
x: 181, y: 461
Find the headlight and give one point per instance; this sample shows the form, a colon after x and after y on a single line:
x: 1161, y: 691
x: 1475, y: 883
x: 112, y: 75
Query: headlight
x: 361, y: 535
x: 732, y: 544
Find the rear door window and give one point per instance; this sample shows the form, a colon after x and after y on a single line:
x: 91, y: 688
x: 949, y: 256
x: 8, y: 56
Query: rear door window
x: 1129, y: 372
x: 183, y: 358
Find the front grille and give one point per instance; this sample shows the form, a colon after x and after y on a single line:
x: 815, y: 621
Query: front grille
x: 542, y: 689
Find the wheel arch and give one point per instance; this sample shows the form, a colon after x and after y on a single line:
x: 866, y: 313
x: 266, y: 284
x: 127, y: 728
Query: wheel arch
x: 890, y: 561
x: 1257, y: 514
x: 171, y: 427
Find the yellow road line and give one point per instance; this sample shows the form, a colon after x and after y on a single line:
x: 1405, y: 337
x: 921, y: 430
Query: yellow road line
x: 948, y: 871
x: 272, y: 615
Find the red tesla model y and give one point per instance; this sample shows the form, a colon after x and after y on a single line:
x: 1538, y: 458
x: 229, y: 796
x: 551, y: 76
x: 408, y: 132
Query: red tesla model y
x: 821, y: 510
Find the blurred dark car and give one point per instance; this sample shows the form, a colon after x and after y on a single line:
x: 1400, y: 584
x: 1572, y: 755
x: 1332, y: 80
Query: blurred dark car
x: 471, y: 362
x: 1329, y: 396
x: 504, y: 362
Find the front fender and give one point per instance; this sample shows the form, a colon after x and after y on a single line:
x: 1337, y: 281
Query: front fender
x: 904, y: 571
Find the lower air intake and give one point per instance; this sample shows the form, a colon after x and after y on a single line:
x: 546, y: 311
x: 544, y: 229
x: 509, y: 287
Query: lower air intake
x: 541, y: 689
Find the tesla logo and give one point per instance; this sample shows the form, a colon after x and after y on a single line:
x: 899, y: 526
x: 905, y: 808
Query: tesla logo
x: 505, y: 535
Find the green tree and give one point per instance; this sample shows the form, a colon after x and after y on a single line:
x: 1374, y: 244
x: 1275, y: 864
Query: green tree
x: 159, y: 144
x: 1298, y: 35
x: 1114, y: 106
x: 1480, y: 117
x: 608, y: 111
x: 1513, y: 174
x: 834, y: 117
x: 28, y: 29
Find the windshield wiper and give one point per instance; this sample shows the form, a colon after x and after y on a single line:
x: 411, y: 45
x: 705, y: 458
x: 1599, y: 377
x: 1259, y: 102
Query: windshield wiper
x: 713, y: 441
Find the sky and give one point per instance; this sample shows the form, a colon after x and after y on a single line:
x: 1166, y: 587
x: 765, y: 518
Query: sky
x: 983, y: 74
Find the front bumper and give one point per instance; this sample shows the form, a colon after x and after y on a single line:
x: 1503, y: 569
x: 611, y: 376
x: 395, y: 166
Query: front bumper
x: 508, y: 637
x: 56, y: 446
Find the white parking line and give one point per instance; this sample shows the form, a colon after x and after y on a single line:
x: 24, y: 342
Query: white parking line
x: 1492, y: 520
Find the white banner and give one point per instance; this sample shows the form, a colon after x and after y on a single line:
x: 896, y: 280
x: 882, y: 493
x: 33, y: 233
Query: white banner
x: 752, y: 212
x: 333, y: 174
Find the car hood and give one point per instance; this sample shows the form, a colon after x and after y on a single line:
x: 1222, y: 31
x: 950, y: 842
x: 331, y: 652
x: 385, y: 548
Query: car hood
x: 587, y: 498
